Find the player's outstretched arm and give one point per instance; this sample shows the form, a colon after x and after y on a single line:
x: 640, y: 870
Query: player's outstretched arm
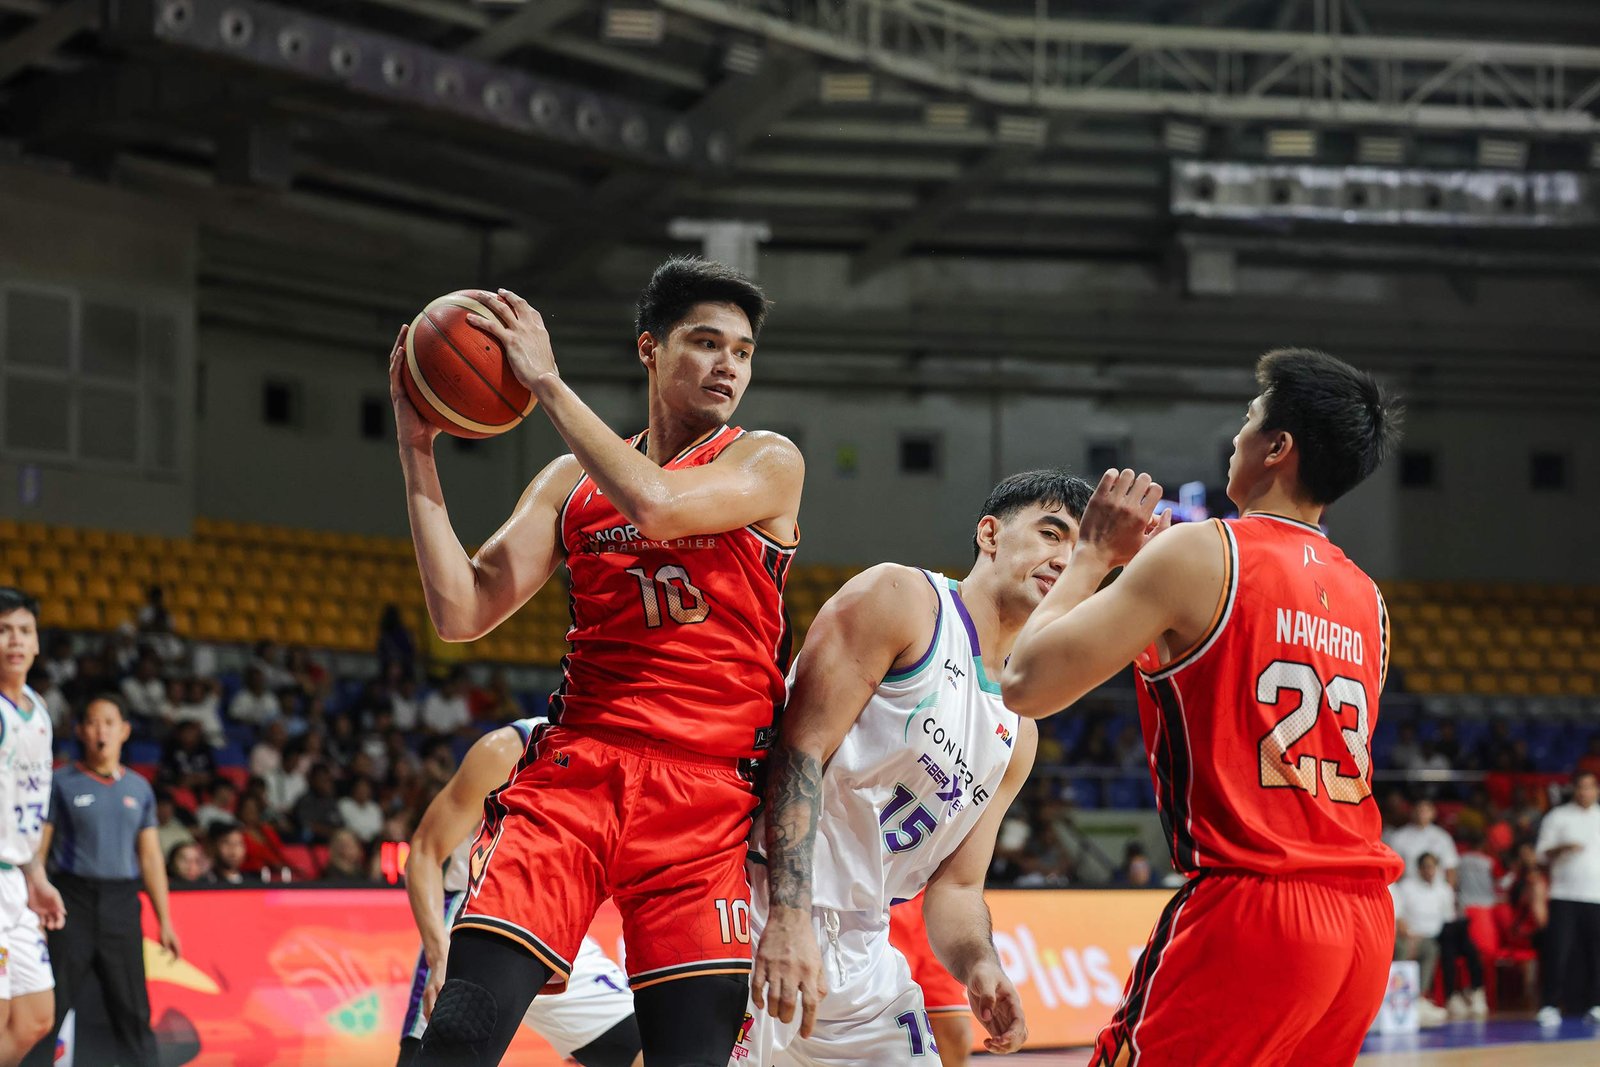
x: 757, y: 481
x: 468, y: 596
x: 1077, y: 638
x: 451, y: 816
x: 879, y: 618
x: 959, y: 927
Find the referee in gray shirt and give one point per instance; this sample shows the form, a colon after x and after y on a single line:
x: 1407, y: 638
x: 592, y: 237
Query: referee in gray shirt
x: 101, y: 836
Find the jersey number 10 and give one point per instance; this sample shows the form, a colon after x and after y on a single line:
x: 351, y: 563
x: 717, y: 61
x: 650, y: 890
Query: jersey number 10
x: 685, y: 604
x: 1277, y: 771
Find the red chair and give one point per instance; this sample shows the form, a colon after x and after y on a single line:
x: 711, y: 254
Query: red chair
x: 301, y: 861
x: 238, y: 776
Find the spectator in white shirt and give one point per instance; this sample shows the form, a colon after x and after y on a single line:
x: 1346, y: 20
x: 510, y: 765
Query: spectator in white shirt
x: 361, y: 813
x: 1422, y: 835
x: 403, y: 701
x: 255, y: 703
x: 1423, y: 903
x: 145, y: 692
x: 61, y: 663
x: 446, y: 711
x: 201, y: 703
x: 218, y: 808
x: 1569, y: 841
x: 266, y: 758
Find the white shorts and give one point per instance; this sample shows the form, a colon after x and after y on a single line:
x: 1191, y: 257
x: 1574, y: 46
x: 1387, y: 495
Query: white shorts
x: 24, y: 952
x: 597, y: 997
x: 873, y: 1015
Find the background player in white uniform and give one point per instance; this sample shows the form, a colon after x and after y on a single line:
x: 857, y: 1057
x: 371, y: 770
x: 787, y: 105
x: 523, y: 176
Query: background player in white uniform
x: 592, y: 1022
x: 27, y: 1000
x: 896, y: 762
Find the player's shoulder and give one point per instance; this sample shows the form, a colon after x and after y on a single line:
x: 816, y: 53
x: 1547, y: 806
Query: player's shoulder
x: 766, y: 447
x: 890, y: 585
x: 889, y: 600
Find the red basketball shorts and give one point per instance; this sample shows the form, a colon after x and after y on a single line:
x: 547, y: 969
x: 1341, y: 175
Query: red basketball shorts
x: 1245, y: 970
x: 598, y: 813
x: 908, y: 932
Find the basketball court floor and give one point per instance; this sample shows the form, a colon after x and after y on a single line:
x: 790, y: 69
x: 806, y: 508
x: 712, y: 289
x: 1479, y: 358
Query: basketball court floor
x: 1510, y: 1041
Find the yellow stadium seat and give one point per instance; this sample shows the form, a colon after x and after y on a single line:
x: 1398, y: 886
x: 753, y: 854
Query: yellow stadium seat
x: 1486, y: 682
x: 99, y: 587
x: 204, y: 527
x: 66, y: 538
x: 295, y: 632
x: 210, y: 626
x: 1447, y: 635
x: 86, y: 615
x: 95, y: 540
x: 9, y: 532
x: 1465, y: 658
x: 49, y: 558
x: 1518, y: 684
x: 325, y: 635
x: 1430, y: 613
x: 65, y: 585
x: 241, y: 629
x: 184, y: 596
x: 139, y: 568
x: 216, y: 599
x: 1403, y: 657
x: 279, y: 579
x: 1541, y: 637
x: 1528, y: 659
x: 1416, y: 681
x: 234, y: 554
x: 1459, y: 615
x: 254, y: 533
x: 1497, y: 657
x: 1450, y: 682
x: 268, y: 629
x: 182, y: 622
x: 1563, y: 660
x: 224, y: 530
x: 274, y: 604
x: 255, y: 580
x: 207, y: 551
x: 1589, y: 660
x: 247, y: 604
x: 1581, y: 685
x: 353, y: 636
x: 1431, y: 655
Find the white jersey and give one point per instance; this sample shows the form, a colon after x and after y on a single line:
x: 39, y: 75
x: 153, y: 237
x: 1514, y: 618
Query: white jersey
x: 26, y: 760
x: 455, y: 870
x: 915, y: 772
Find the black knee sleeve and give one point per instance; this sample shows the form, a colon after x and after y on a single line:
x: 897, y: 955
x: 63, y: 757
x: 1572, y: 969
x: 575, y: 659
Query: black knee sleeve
x: 691, y: 1022
x: 462, y: 1027
x: 408, y: 1051
x: 617, y: 1047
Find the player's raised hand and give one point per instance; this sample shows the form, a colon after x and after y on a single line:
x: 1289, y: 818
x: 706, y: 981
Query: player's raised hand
x: 787, y: 970
x: 409, y: 425
x: 521, y: 332
x: 998, y: 1007
x: 1120, y: 517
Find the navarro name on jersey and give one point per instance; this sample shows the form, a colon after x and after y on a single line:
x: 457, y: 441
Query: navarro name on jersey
x: 1320, y: 635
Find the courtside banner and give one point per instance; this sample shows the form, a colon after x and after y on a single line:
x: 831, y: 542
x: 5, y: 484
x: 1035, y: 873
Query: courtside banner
x: 313, y: 977
x: 1069, y: 953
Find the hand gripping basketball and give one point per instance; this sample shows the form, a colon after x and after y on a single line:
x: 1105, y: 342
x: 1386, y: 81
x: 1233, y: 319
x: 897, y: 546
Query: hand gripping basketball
x: 520, y: 329
x: 455, y: 373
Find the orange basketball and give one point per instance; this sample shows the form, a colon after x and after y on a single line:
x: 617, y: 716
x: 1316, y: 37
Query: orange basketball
x: 457, y: 375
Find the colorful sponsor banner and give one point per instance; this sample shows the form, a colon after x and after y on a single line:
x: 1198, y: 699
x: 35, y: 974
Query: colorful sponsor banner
x: 310, y: 977
x: 1069, y: 953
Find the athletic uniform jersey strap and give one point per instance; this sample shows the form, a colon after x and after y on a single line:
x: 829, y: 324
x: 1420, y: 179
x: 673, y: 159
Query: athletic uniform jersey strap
x: 455, y: 869
x: 682, y: 640
x: 914, y: 773
x: 1260, y: 735
x: 26, y: 760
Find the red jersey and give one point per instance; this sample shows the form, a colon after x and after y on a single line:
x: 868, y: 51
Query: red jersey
x: 1260, y: 735
x: 684, y: 640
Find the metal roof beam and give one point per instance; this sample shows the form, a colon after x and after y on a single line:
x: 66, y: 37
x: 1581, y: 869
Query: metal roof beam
x: 53, y: 30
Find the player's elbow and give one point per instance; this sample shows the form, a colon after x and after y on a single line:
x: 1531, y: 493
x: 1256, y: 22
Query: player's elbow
x: 659, y: 519
x: 1024, y: 695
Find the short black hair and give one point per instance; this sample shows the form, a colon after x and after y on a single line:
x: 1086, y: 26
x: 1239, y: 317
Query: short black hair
x: 221, y: 829
x: 1051, y: 487
x: 684, y: 281
x: 1583, y: 773
x: 14, y: 599
x: 1342, y: 422
x: 1426, y: 856
x: 114, y: 699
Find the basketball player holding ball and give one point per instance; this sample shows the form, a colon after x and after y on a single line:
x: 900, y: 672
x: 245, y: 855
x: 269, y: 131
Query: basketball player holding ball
x: 1261, y: 651
x: 678, y: 540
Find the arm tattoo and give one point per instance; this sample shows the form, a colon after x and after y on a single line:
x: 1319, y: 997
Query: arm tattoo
x: 794, y: 804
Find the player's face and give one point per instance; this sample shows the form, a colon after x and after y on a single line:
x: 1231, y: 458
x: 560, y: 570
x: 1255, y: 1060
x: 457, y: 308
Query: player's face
x: 1032, y: 547
x: 1250, y: 448
x: 103, y: 732
x: 703, y: 366
x: 1586, y: 791
x: 19, y: 643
